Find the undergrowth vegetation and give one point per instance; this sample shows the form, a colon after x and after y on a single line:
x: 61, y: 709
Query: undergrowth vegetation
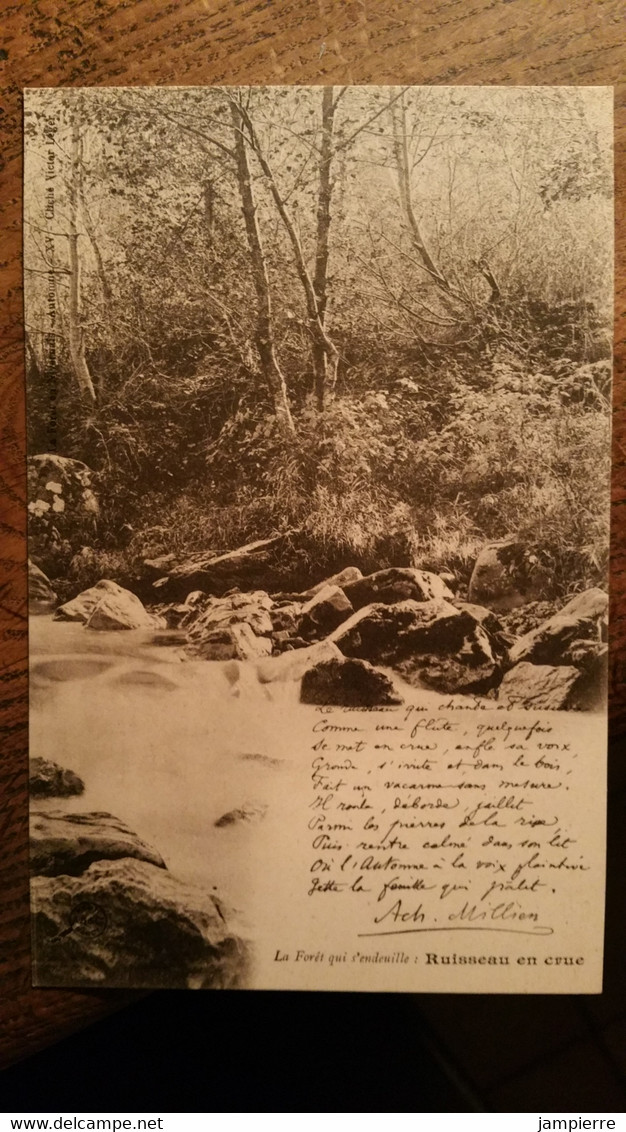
x: 462, y: 410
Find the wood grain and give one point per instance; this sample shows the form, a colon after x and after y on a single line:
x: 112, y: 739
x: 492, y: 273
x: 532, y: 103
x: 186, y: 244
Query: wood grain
x: 185, y: 42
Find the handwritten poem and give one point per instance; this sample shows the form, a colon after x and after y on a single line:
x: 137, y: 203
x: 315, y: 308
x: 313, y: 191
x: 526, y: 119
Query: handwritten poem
x: 469, y: 836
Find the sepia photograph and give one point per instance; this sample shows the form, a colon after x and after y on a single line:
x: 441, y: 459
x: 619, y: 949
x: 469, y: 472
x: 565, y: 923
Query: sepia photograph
x: 318, y: 412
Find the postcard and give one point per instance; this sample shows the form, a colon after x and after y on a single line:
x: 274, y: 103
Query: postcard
x: 319, y: 388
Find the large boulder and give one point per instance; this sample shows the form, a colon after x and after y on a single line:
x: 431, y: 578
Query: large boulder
x: 41, y: 596
x: 127, y: 924
x: 122, y: 610
x: 324, y: 612
x: 293, y: 665
x: 62, y: 509
x: 540, y: 687
x: 398, y: 583
x: 70, y: 843
x: 233, y: 642
x: 49, y: 780
x: 347, y: 683
x: 573, y: 636
x: 429, y: 643
x: 272, y: 564
x: 106, y: 606
x: 506, y: 575
x: 250, y: 609
x: 80, y: 608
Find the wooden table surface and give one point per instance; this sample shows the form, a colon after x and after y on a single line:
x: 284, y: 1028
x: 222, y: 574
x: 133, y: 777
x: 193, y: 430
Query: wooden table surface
x: 187, y: 42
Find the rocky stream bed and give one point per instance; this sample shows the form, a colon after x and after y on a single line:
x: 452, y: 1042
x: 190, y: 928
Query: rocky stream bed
x: 108, y: 908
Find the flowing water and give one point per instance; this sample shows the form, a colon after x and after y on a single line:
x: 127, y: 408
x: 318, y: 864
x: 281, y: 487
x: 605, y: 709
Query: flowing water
x: 167, y: 746
x: 170, y: 746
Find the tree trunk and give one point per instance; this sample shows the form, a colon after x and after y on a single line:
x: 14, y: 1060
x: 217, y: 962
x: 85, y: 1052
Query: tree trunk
x: 75, y: 330
x: 401, y: 155
x: 264, y: 329
x: 320, y: 278
x: 91, y: 233
x: 321, y: 338
x: 209, y: 210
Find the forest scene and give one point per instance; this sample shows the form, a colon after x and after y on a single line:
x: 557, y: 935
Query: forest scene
x: 319, y: 390
x: 378, y: 316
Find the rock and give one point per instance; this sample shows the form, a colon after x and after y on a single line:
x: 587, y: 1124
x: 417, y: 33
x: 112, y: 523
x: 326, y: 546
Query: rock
x: 249, y: 812
x: 506, y: 576
x: 62, y: 509
x: 350, y: 574
x: 324, y: 612
x: 173, y: 616
x: 49, y: 780
x: 398, y: 583
x: 428, y: 643
x: 499, y: 639
x: 194, y: 604
x: 153, y: 568
x: 271, y: 564
x: 82, y: 606
x: 561, y: 639
x: 106, y: 606
x: 592, y: 690
x: 520, y: 621
x: 41, y: 596
x: 347, y: 683
x: 481, y: 615
x: 197, y: 599
x: 381, y: 632
x: 449, y: 580
x: 281, y: 641
x: 235, y: 642
x: 70, y: 843
x: 127, y: 924
x: 542, y: 687
x: 119, y: 609
x: 285, y: 618
x: 250, y: 609
x: 293, y: 665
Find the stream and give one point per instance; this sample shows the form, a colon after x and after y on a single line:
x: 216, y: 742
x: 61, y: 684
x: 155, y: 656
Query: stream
x: 167, y: 746
x: 170, y: 746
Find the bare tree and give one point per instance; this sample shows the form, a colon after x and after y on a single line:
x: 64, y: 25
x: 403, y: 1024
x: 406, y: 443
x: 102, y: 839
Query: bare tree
x: 403, y: 170
x: 321, y: 339
x: 264, y: 329
x: 75, y: 327
x: 321, y: 353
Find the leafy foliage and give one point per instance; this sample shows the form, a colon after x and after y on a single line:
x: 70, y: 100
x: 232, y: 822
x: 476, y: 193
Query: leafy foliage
x: 461, y: 412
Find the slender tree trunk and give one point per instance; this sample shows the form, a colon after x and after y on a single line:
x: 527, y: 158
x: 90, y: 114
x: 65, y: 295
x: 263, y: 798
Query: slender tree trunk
x: 495, y: 292
x: 401, y: 154
x: 75, y: 330
x: 320, y: 278
x: 209, y: 210
x: 93, y: 239
x: 318, y: 331
x: 264, y: 332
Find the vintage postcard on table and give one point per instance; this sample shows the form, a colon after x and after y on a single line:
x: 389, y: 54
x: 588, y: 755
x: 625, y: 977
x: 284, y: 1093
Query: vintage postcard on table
x: 318, y: 415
